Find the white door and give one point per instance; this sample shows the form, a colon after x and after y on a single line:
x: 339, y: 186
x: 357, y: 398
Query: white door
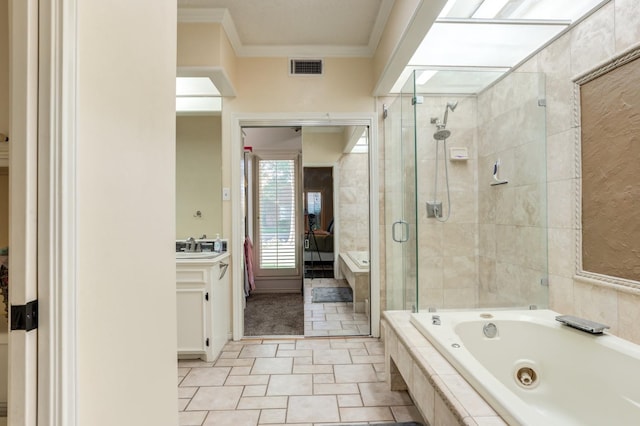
x: 23, y: 236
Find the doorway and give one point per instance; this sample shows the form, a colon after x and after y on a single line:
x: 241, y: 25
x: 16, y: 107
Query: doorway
x: 329, y: 232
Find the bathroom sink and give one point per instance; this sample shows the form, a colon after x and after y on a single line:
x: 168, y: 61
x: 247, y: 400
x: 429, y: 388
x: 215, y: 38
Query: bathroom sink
x: 196, y: 255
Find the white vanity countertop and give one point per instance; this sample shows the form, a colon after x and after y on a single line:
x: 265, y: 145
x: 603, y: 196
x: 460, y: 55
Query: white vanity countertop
x: 200, y: 257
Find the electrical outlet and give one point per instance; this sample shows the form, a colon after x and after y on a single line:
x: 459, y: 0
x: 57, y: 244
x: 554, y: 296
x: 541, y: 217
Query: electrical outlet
x: 226, y: 194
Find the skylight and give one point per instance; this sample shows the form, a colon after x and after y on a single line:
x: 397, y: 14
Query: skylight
x: 197, y: 95
x: 484, y: 39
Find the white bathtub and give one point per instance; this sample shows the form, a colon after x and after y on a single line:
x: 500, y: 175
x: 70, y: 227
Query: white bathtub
x: 580, y: 379
x: 360, y: 258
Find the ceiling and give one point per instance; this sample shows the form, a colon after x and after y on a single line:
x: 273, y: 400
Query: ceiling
x: 297, y: 27
x: 471, y: 44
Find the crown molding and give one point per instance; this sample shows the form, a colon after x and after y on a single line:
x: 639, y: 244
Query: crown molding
x: 201, y: 14
x: 223, y: 17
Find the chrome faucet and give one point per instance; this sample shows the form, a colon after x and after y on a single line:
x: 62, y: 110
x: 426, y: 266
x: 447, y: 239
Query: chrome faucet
x: 191, y: 244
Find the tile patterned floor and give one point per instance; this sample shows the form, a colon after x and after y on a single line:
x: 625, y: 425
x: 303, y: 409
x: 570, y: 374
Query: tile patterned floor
x: 301, y: 382
x: 331, y: 319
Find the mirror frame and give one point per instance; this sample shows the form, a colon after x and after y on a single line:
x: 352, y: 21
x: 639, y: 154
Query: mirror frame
x: 618, y: 283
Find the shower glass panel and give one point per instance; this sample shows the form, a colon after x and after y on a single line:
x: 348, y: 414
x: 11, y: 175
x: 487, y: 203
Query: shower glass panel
x: 400, y: 202
x: 480, y: 173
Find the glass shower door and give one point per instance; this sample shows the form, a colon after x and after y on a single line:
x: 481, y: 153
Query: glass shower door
x: 400, y: 203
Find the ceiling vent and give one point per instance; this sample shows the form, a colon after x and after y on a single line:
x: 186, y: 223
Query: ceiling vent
x: 306, y: 67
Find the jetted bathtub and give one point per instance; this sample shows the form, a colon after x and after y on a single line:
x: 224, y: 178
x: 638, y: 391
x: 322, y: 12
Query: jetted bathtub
x: 536, y: 371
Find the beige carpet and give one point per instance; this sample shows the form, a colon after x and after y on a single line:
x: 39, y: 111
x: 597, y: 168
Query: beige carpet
x: 274, y: 314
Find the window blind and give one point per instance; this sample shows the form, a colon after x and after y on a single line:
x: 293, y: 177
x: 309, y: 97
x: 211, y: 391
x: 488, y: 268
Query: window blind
x: 276, y: 206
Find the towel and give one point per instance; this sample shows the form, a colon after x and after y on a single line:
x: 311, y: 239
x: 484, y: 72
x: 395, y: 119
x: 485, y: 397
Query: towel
x: 248, y: 258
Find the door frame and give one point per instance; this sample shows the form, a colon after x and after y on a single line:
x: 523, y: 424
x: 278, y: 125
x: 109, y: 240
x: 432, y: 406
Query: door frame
x: 42, y: 382
x: 240, y: 120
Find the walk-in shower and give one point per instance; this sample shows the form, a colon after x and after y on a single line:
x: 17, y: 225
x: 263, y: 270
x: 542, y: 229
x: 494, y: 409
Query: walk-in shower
x: 434, y: 208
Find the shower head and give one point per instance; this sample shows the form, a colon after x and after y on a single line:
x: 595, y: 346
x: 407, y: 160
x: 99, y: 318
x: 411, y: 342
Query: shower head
x: 441, y: 133
x: 450, y: 106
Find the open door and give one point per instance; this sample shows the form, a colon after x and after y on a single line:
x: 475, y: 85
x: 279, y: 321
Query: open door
x: 23, y: 172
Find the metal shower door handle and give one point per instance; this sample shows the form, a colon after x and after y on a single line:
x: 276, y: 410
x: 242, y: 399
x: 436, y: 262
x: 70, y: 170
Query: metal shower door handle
x: 405, y: 235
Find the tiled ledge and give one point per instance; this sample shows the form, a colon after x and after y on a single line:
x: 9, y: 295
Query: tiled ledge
x: 442, y: 395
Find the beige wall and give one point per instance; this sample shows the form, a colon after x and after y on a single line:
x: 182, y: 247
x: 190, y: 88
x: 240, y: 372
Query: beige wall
x: 321, y: 148
x: 126, y: 311
x: 611, y: 30
x: 264, y: 87
x: 198, y: 177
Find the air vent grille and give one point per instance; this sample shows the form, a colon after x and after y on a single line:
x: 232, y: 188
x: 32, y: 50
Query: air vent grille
x: 306, y: 67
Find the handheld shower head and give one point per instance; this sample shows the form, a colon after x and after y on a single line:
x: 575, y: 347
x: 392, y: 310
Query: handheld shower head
x: 450, y: 106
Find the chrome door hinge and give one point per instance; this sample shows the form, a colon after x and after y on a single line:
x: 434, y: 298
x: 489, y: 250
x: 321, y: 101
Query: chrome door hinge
x: 24, y: 317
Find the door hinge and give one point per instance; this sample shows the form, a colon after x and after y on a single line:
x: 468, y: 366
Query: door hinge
x: 24, y: 317
x: 207, y: 342
x: 206, y: 296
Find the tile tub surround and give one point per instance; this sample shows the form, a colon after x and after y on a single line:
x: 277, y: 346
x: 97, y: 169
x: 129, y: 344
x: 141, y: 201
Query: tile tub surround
x: 442, y: 395
x: 304, y: 381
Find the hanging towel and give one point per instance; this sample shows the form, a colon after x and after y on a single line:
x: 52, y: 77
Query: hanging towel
x: 248, y: 258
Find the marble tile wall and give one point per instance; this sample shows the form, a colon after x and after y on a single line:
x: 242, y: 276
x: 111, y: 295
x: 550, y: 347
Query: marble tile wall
x: 353, y: 206
x: 608, y: 32
x: 447, y: 266
x: 512, y: 217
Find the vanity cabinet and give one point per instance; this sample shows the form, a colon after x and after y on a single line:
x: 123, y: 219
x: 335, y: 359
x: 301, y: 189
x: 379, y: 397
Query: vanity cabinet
x: 203, y: 300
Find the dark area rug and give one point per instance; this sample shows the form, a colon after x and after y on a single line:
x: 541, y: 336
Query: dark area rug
x: 274, y: 314
x: 332, y: 294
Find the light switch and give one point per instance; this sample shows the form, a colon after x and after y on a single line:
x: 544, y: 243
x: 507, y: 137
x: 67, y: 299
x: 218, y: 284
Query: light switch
x: 226, y: 194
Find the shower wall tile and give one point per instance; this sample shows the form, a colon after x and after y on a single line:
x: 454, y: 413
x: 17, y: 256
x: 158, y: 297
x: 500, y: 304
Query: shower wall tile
x: 487, y: 274
x: 461, y: 298
x: 627, y: 30
x: 596, y: 303
x: 353, y: 208
x: 486, y: 203
x: 553, y: 59
x: 593, y: 41
x: 561, y: 199
x: 430, y: 239
x: 561, y: 294
x: 629, y: 316
x: 529, y: 159
x: 529, y: 205
x: 561, y: 155
x: 487, y: 240
x: 430, y: 271
x: 460, y: 239
x: 460, y: 272
x: 560, y: 109
x: 562, y: 256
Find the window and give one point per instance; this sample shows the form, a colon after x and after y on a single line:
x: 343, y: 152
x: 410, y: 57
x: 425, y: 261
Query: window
x: 276, y: 207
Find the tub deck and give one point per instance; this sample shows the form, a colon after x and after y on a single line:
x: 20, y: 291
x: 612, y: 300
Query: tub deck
x: 358, y: 279
x: 440, y: 393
